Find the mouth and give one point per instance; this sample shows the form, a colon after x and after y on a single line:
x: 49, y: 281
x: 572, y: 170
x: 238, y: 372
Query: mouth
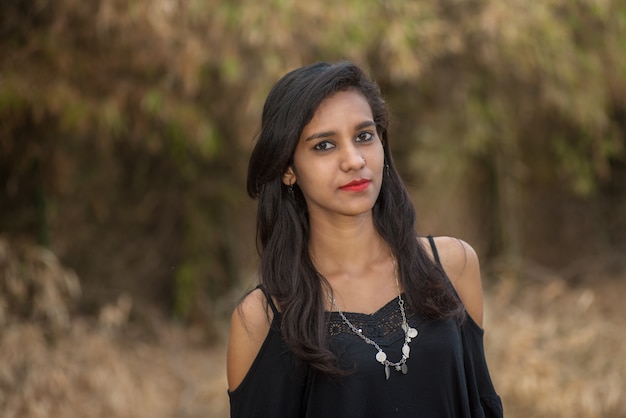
x: 356, y: 185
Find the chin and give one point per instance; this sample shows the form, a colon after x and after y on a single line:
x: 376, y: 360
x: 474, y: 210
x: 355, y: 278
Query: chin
x: 357, y: 211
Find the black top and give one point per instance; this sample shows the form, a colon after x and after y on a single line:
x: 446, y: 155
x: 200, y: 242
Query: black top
x: 447, y: 373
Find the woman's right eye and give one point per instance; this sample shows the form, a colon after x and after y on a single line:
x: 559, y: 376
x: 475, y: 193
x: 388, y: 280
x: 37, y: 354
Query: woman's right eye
x: 323, y: 146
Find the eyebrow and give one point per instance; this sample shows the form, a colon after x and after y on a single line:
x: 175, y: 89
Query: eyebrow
x: 362, y: 125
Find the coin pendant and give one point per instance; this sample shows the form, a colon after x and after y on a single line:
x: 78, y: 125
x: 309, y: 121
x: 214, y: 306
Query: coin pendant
x: 405, y: 368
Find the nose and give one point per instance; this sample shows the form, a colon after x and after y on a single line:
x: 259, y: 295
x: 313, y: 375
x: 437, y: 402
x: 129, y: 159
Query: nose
x: 352, y: 159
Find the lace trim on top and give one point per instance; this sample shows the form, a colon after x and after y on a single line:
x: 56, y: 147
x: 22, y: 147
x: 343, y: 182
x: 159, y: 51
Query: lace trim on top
x: 383, y: 326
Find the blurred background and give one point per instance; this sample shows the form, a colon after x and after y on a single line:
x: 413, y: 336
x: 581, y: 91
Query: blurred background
x: 126, y: 235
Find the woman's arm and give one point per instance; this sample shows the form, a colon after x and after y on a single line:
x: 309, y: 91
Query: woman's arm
x: 249, y: 326
x: 460, y: 262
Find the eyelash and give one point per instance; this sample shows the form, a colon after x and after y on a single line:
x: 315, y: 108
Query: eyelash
x: 370, y: 136
x: 320, y: 146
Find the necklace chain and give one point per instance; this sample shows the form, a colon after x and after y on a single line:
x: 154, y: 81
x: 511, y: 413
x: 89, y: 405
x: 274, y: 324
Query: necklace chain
x: 409, y: 333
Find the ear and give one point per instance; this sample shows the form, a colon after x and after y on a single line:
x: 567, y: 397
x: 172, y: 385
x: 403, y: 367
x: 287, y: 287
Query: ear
x: 289, y: 177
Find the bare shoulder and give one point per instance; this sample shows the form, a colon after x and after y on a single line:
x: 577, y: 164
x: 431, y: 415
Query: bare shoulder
x: 461, y: 264
x: 249, y: 326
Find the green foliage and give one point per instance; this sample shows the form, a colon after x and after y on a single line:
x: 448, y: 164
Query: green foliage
x: 178, y: 87
x: 187, y: 288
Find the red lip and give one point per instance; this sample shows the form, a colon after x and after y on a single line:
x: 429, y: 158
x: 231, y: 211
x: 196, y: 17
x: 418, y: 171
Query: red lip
x: 356, y: 185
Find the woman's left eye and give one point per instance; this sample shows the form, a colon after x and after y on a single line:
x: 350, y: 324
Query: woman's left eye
x: 364, y: 137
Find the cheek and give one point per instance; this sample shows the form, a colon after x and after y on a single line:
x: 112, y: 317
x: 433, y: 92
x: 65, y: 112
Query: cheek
x: 378, y: 156
x: 313, y: 175
x: 308, y: 170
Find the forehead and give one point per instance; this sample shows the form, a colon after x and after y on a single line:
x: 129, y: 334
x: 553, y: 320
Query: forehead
x: 341, y: 107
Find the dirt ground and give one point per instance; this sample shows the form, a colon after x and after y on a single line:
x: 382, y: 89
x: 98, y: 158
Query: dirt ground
x: 555, y: 349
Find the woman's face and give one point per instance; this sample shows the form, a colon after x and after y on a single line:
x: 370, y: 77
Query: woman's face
x: 339, y: 158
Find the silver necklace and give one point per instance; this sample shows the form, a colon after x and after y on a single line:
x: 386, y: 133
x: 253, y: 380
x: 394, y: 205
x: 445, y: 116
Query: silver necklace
x: 381, y: 356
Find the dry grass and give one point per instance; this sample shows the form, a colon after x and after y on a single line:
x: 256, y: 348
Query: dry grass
x: 35, y: 286
x: 92, y: 373
x: 555, y: 350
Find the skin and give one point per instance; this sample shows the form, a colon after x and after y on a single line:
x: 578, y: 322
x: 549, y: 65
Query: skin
x: 338, y: 146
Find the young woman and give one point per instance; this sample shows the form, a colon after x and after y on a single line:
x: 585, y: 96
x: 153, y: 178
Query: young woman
x: 355, y: 316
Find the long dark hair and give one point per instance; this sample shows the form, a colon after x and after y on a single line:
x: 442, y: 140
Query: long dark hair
x: 286, y: 270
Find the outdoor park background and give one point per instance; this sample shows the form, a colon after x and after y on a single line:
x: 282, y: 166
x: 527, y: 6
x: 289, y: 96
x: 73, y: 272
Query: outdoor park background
x: 126, y: 235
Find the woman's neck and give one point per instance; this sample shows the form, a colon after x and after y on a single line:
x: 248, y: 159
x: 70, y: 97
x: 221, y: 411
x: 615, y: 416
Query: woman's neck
x: 347, y: 246
x: 356, y: 263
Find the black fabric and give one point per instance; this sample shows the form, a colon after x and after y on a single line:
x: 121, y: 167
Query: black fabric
x: 434, y: 248
x: 447, y: 373
x: 270, y: 301
x: 484, y: 401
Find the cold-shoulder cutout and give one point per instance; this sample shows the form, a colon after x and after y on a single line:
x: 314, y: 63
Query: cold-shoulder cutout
x: 249, y: 326
x: 448, y: 375
x: 460, y: 262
